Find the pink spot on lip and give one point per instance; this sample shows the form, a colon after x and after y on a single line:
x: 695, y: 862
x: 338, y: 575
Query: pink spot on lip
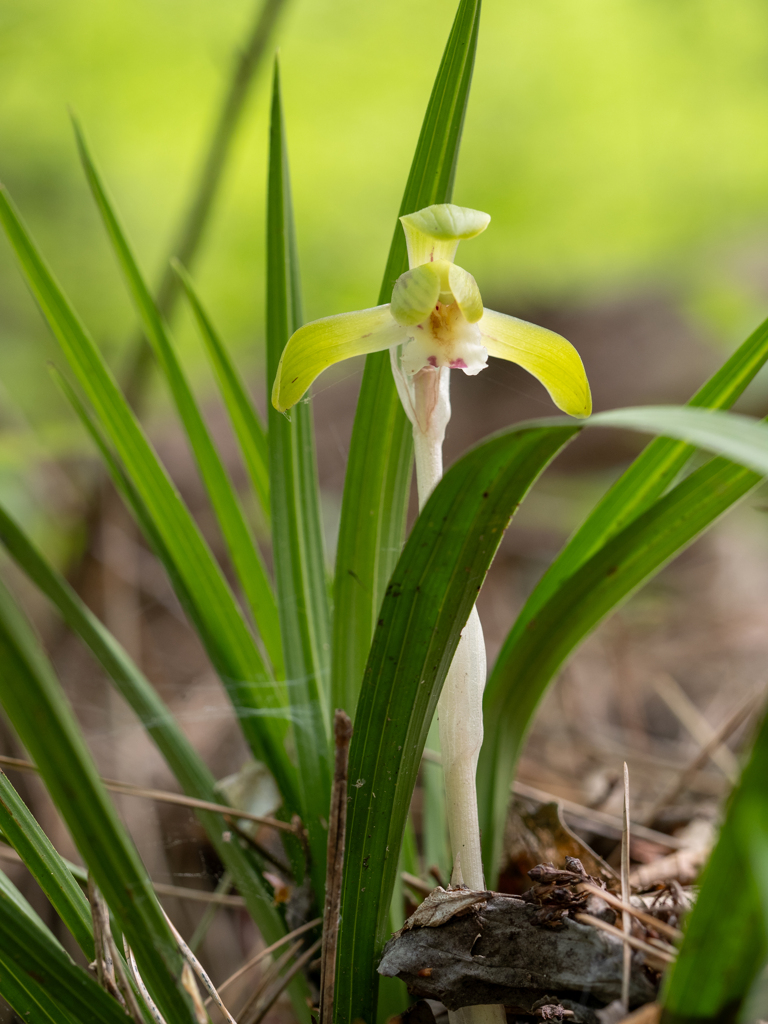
x: 458, y: 364
x: 432, y: 360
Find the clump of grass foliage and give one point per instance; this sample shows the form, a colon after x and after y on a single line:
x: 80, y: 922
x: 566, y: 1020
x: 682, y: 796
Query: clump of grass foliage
x: 379, y: 646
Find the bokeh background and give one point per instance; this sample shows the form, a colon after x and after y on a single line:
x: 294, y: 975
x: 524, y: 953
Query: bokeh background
x: 621, y: 147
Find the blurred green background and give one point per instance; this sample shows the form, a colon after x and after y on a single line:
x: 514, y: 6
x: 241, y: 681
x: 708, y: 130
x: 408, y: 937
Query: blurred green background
x: 621, y: 147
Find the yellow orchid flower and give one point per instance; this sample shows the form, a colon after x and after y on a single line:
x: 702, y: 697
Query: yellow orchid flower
x: 435, y: 319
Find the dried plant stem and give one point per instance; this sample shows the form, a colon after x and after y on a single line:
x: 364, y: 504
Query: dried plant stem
x: 337, y: 826
x: 156, y: 1015
x: 163, y: 796
x: 265, y: 953
x: 626, y: 919
x: 272, y: 972
x: 460, y: 708
x: 661, y: 926
x: 199, y: 970
x: 272, y: 994
x: 644, y: 947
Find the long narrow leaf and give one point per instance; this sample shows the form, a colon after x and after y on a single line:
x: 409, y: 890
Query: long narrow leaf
x: 28, y: 997
x: 35, y: 970
x: 651, y: 472
x: 726, y: 945
x: 259, y: 702
x: 187, y: 766
x: 539, y: 643
x: 377, y: 483
x: 428, y: 600
x: 638, y: 488
x: 242, y: 413
x: 296, y: 530
x: 46, y: 865
x: 35, y: 704
x: 240, y: 543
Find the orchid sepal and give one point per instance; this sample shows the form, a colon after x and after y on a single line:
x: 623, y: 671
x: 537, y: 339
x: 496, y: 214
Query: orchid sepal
x: 321, y: 343
x: 546, y: 355
x: 434, y: 233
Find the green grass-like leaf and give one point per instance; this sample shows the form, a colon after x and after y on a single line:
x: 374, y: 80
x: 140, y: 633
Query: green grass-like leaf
x: 377, y: 483
x: 36, y: 707
x: 242, y: 413
x: 226, y: 504
x: 725, y: 945
x: 297, y: 539
x: 427, y: 603
x: 430, y: 595
x: 46, y: 865
x: 39, y: 977
x: 258, y: 700
x: 511, y: 697
x: 189, y: 769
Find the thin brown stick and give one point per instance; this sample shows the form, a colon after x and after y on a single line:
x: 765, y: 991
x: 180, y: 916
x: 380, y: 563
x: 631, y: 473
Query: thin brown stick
x: 202, y: 974
x: 416, y: 883
x: 626, y: 920
x: 154, y: 1011
x: 729, y: 726
x: 262, y: 851
x: 661, y: 926
x: 265, y: 953
x: 337, y: 827
x: 179, y: 891
x: 630, y: 939
x: 163, y: 796
x: 190, y: 986
x: 694, y: 722
x: 599, y: 817
x: 183, y: 892
x: 124, y: 984
x: 105, y: 968
x: 272, y: 972
x: 273, y: 994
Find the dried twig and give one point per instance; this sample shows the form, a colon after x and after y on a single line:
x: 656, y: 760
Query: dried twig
x: 729, y: 726
x: 265, y: 953
x: 272, y: 972
x: 199, y: 970
x: 102, y: 933
x: 190, y: 987
x: 644, y: 947
x: 686, y: 712
x: 666, y: 929
x: 626, y: 920
x: 163, y: 796
x: 273, y: 994
x: 181, y: 892
x: 140, y: 983
x: 602, y: 818
x: 124, y: 984
x: 415, y: 883
x: 337, y: 824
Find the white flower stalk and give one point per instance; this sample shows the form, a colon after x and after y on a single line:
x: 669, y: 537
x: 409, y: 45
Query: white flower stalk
x: 436, y: 322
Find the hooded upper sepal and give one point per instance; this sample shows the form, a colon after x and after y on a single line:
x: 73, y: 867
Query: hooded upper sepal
x: 435, y: 232
x: 320, y: 344
x: 548, y: 356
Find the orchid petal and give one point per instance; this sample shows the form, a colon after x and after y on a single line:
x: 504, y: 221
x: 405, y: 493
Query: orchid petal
x: 548, y: 356
x: 435, y: 232
x: 465, y: 293
x: 320, y: 344
x: 415, y: 294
